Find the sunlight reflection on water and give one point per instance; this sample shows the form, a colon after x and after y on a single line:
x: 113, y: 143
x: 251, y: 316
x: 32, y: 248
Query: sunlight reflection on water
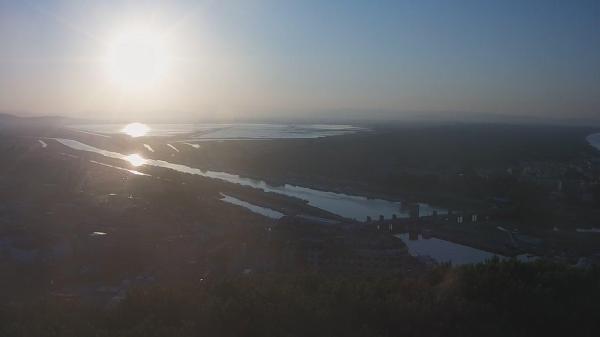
x: 350, y: 206
x: 136, y: 129
x: 135, y: 159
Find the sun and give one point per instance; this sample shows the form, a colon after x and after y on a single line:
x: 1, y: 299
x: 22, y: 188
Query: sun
x: 137, y: 59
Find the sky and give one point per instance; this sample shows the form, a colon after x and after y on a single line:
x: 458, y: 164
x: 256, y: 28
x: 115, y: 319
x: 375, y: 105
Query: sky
x: 280, y: 59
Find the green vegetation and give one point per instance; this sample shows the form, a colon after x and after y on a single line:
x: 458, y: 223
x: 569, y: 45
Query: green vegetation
x: 492, y: 299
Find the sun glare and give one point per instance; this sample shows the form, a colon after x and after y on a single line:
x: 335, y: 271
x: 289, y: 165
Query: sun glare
x: 135, y: 159
x: 135, y: 129
x: 137, y: 59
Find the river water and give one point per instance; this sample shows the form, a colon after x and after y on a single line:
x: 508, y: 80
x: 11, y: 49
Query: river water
x: 349, y: 206
x: 269, y: 213
x: 594, y: 140
x: 219, y: 131
x: 444, y: 251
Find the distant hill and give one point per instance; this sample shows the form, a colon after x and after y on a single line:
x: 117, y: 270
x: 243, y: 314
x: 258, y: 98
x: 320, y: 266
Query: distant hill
x: 8, y: 120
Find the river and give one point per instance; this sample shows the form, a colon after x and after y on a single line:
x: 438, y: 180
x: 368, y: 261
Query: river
x: 223, y: 131
x: 594, y: 140
x: 444, y: 251
x: 349, y: 206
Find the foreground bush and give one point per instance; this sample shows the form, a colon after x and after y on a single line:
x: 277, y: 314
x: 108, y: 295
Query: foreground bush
x: 492, y: 299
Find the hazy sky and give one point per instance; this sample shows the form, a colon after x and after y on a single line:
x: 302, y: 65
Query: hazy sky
x: 255, y: 58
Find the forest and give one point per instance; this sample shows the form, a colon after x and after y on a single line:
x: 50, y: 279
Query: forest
x: 496, y: 298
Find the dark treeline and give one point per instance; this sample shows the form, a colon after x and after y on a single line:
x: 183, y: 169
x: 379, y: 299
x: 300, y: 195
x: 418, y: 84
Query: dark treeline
x: 401, y: 161
x: 492, y: 299
x: 402, y: 150
x: 455, y: 166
